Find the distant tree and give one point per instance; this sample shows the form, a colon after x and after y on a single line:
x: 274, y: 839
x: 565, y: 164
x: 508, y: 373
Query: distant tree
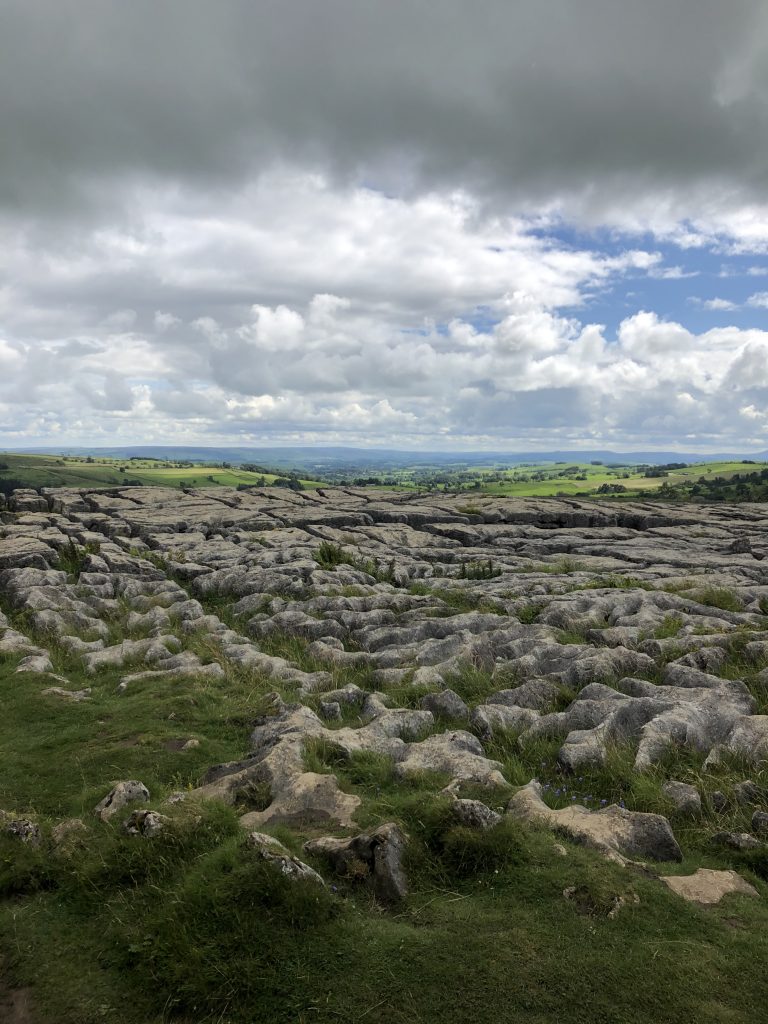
x: 290, y: 482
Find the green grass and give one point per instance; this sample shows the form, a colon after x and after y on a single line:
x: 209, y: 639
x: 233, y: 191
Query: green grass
x: 72, y: 557
x: 473, y: 684
x: 577, y: 633
x: 545, y: 479
x: 459, y: 600
x: 562, y: 567
x: 59, y: 758
x: 330, y: 556
x: 529, y: 612
x: 191, y: 927
x: 739, y: 666
x: 549, y: 479
x: 670, y: 626
x: 478, y: 570
x: 616, y: 582
x: 70, y: 471
x: 719, y: 597
x: 204, y: 934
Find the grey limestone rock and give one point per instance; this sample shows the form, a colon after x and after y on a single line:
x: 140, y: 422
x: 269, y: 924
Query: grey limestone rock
x: 330, y: 710
x: 272, y: 851
x: 69, y: 833
x: 123, y: 793
x: 446, y: 704
x: 686, y: 798
x: 719, y: 801
x: 377, y: 854
x: 618, y: 833
x: 736, y: 840
x: 23, y: 829
x: 458, y: 754
x: 474, y: 814
x: 76, y: 696
x: 146, y: 823
x: 649, y: 668
x: 35, y: 663
x: 748, y: 793
x: 536, y: 694
x: 707, y: 886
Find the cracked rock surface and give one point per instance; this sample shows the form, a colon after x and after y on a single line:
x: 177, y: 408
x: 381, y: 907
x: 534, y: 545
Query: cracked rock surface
x: 590, y: 624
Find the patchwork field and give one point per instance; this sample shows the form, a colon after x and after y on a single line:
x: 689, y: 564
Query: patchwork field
x: 93, y: 471
x: 545, y: 479
x: 550, y: 479
x: 360, y: 755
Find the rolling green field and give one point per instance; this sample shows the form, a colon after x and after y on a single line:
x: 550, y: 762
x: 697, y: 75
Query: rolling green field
x: 70, y: 471
x: 548, y: 479
x: 543, y: 479
x: 523, y: 482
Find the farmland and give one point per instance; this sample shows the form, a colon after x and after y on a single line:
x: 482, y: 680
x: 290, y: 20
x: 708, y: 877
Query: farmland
x: 26, y: 470
x: 551, y: 479
x: 523, y: 479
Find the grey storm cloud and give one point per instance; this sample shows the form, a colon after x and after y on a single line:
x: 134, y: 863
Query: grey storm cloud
x: 348, y: 220
x: 527, y: 100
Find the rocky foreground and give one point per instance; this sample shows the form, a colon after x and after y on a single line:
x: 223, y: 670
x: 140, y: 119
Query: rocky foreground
x: 636, y: 626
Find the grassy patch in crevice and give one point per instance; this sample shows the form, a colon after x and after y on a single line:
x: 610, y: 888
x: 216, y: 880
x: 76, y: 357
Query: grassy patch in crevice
x: 718, y: 597
x: 459, y: 600
x: 474, y: 684
x: 670, y: 626
x: 330, y: 556
x: 577, y: 632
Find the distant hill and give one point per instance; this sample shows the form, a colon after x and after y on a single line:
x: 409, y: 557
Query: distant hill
x: 321, y: 458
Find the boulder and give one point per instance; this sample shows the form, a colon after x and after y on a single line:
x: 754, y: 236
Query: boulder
x: 23, y: 829
x: 736, y: 841
x: 40, y: 663
x: 272, y: 851
x: 748, y: 793
x: 686, y: 799
x: 707, y: 886
x: 536, y: 694
x: 445, y: 704
x: 377, y: 854
x: 123, y: 793
x: 619, y: 834
x: 70, y: 695
x: 474, y: 814
x: 458, y: 754
x: 306, y: 798
x: 68, y: 833
x: 146, y: 823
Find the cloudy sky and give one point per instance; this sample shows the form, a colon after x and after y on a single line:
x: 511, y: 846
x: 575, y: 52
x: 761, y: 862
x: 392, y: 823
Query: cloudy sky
x: 406, y: 223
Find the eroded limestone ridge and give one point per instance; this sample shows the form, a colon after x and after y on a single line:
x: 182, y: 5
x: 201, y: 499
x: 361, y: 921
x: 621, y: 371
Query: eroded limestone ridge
x: 593, y: 623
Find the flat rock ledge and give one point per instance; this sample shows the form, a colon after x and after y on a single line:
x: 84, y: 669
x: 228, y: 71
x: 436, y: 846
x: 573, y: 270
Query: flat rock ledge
x: 707, y: 886
x: 619, y: 834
